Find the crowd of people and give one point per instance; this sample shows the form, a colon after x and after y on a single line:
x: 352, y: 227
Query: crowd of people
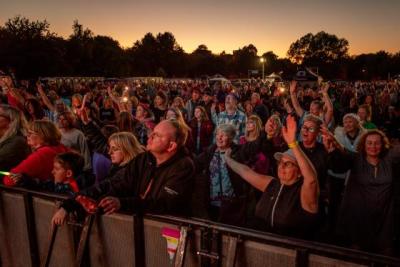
x: 312, y: 162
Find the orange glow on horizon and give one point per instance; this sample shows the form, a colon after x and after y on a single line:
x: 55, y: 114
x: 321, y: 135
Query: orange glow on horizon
x: 368, y: 25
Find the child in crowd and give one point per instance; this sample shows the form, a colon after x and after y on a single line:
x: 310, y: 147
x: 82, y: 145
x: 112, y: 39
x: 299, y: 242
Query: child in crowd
x: 66, y: 168
x: 67, y: 173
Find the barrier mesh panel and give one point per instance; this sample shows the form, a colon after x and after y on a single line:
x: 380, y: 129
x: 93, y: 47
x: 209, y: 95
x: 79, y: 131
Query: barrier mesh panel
x: 111, y: 241
x: 14, y: 243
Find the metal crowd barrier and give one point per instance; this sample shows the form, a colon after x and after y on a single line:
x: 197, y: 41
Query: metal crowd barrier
x: 27, y: 239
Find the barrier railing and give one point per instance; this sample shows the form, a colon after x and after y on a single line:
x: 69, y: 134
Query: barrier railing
x: 28, y: 239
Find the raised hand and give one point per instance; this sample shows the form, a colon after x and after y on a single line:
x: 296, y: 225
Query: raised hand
x: 83, y: 115
x: 39, y: 88
x: 289, y: 131
x: 325, y: 88
x: 293, y: 86
x: 85, y: 98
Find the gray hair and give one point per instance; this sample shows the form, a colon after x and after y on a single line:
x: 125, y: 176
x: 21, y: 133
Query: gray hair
x: 228, y: 129
x: 313, y: 118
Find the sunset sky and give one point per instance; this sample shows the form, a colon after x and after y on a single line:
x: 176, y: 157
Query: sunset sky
x: 368, y: 25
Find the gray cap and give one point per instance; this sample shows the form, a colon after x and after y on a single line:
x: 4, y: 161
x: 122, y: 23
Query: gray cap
x: 288, y: 153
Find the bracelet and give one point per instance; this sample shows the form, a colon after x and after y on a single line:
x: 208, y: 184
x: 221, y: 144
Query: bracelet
x: 293, y: 144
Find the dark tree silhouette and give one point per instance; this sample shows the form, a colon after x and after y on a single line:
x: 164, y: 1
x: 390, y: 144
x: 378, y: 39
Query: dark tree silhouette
x: 321, y: 47
x: 32, y: 50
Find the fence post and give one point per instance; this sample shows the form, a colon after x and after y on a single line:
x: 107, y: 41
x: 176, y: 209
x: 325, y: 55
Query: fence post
x: 138, y: 231
x: 180, y: 252
x: 301, y: 257
x: 31, y: 228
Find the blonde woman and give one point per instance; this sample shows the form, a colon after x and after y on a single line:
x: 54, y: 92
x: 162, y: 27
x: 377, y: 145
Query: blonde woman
x: 76, y: 102
x: 13, y: 146
x: 260, y: 162
x: 123, y: 147
x: 253, y: 129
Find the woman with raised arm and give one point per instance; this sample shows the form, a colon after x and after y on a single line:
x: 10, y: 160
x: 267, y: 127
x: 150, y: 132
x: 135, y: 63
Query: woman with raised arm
x: 289, y: 204
x: 366, y: 218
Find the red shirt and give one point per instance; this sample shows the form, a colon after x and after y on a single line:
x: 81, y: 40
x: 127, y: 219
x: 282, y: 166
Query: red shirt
x: 39, y: 164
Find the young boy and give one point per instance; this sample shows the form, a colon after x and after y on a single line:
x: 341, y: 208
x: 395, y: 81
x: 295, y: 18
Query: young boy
x: 66, y: 168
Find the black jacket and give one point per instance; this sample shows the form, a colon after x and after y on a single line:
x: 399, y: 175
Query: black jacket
x: 96, y: 140
x: 13, y: 151
x: 169, y: 192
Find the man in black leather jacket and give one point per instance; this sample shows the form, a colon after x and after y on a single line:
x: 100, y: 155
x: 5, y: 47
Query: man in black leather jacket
x: 158, y: 181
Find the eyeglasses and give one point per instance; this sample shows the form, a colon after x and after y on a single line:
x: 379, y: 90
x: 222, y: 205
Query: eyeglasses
x: 309, y: 129
x: 286, y: 164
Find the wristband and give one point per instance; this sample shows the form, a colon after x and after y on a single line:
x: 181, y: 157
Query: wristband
x: 293, y: 144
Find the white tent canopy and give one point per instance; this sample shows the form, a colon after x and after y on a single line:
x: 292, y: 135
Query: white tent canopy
x: 273, y: 76
x: 218, y: 77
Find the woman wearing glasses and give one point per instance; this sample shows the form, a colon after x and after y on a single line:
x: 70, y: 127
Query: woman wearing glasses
x: 289, y: 204
x: 44, y: 139
x: 314, y: 150
x: 120, y: 147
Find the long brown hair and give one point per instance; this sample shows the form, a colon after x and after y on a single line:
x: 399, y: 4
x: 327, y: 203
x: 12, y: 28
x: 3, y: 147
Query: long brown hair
x: 204, y: 115
x: 258, y: 126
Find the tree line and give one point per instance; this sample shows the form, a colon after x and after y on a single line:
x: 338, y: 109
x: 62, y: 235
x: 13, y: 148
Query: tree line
x: 30, y: 50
